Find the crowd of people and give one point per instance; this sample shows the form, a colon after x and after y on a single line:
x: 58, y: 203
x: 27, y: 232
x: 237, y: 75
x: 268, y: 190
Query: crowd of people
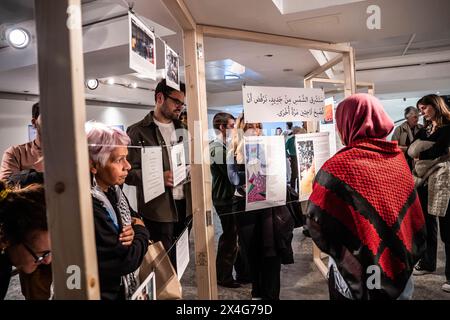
x: 375, y: 205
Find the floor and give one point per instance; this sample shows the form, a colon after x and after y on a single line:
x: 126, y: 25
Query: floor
x: 303, y: 281
x: 299, y: 281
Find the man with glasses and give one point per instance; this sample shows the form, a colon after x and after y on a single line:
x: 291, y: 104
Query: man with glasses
x: 167, y: 215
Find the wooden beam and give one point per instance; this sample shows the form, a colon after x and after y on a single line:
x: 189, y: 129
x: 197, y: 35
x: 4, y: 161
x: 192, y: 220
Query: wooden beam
x: 311, y: 126
x: 180, y: 13
x: 349, y: 73
x: 266, y: 38
x: 339, y: 81
x: 67, y: 182
x: 324, y: 67
x: 201, y: 189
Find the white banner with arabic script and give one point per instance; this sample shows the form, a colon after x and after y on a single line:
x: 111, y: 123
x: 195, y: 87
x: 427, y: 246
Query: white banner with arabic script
x: 275, y: 104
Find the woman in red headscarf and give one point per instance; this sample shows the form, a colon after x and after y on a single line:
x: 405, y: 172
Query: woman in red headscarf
x: 364, y: 211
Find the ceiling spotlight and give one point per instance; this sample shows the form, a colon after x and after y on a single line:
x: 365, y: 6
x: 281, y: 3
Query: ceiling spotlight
x: 111, y: 81
x: 133, y: 85
x: 18, y: 38
x: 92, y: 84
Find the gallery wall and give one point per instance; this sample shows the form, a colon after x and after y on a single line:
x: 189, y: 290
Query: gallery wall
x: 15, y: 116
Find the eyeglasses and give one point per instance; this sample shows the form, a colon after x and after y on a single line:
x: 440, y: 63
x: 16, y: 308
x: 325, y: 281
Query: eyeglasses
x: 176, y: 101
x: 37, y: 259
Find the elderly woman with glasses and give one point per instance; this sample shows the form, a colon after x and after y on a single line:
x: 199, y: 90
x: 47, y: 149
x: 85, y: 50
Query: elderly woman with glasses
x: 121, y: 237
x: 24, y: 238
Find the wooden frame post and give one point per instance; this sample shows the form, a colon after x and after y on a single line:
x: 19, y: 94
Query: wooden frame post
x: 349, y: 89
x: 349, y: 72
x: 194, y: 63
x: 195, y: 80
x: 67, y: 182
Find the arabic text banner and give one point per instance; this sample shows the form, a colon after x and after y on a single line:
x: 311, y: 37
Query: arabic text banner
x: 274, y: 104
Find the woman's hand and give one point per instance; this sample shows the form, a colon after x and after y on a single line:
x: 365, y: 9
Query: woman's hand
x: 127, y: 235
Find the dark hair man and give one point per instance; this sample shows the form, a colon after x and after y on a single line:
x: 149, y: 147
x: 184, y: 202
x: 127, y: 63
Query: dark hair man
x: 166, y: 215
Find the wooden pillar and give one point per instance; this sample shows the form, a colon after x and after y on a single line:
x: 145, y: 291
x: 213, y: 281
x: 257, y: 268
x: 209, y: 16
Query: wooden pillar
x: 201, y: 189
x: 67, y: 185
x: 311, y: 126
x: 349, y: 72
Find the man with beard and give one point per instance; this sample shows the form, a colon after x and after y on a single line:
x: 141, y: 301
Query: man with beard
x: 166, y: 216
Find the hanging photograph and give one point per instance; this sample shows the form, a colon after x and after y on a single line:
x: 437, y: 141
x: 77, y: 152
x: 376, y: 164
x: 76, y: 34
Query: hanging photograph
x: 328, y: 124
x: 313, y: 149
x: 256, y: 167
x: 265, y: 172
x: 172, y: 68
x: 142, y: 48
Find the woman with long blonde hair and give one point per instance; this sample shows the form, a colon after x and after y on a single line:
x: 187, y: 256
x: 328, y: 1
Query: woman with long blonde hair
x: 260, y: 239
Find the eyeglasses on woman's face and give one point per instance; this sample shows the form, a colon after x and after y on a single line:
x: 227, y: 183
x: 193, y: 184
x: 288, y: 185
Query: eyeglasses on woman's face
x: 38, y: 259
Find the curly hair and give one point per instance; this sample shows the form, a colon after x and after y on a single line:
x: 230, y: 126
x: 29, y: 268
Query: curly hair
x: 22, y: 211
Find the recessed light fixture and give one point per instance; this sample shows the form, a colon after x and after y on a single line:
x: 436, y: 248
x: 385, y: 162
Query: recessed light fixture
x: 18, y: 38
x: 92, y: 84
x: 111, y: 81
x: 231, y: 77
x: 438, y: 92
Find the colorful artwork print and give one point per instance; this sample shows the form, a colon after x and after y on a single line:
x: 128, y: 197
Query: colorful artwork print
x: 306, y: 165
x: 255, y: 166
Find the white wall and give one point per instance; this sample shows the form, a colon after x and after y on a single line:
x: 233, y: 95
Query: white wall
x: 15, y: 116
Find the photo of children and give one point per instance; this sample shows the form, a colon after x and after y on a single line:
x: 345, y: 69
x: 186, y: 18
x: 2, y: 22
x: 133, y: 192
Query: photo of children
x: 255, y: 166
x: 142, y: 43
x: 306, y: 167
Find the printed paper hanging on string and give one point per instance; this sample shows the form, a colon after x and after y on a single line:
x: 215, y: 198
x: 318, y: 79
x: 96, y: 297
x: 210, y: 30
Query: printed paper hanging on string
x: 265, y: 172
x: 142, y: 53
x: 313, y: 149
x: 172, y: 69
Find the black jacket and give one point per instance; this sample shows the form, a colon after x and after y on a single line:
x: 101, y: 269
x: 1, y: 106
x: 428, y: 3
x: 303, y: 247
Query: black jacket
x: 442, y: 138
x: 146, y: 133
x: 222, y: 189
x: 115, y: 260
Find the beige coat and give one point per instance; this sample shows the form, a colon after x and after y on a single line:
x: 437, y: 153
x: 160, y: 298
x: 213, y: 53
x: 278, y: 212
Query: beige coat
x: 404, y: 131
x: 437, y: 172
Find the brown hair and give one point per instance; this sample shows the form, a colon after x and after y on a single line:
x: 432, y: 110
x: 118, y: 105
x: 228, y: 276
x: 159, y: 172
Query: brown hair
x: 438, y: 104
x: 22, y: 211
x: 221, y: 118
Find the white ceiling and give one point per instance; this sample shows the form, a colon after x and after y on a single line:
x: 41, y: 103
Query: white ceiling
x: 380, y: 54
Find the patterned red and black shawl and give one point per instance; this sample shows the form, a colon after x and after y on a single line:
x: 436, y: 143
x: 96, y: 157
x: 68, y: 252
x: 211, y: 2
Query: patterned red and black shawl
x: 364, y: 211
